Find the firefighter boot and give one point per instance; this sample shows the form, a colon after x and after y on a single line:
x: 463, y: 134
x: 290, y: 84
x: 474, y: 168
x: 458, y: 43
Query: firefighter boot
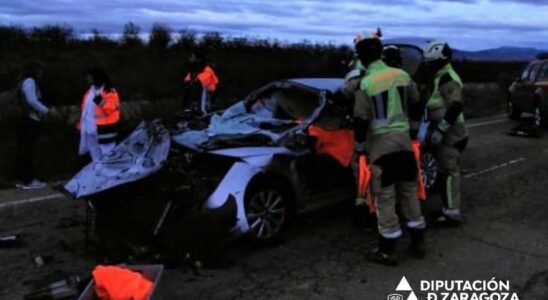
x: 384, y: 253
x: 441, y: 219
x: 417, y: 242
x: 362, y: 219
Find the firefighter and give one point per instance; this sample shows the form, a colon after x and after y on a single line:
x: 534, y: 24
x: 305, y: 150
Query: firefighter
x: 382, y: 132
x: 199, y: 84
x: 100, y: 116
x: 446, y: 134
x: 391, y: 55
x: 363, y: 215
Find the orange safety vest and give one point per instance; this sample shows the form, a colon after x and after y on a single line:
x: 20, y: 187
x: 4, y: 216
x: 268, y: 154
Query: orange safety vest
x: 207, y: 77
x: 108, y: 111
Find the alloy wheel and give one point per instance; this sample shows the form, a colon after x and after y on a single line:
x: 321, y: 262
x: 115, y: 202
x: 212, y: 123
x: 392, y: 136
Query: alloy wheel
x: 266, y: 213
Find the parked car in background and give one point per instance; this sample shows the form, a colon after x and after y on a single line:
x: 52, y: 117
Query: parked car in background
x: 529, y: 92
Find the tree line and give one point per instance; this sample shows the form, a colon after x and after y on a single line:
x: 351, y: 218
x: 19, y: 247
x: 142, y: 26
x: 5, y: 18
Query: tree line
x: 154, y: 68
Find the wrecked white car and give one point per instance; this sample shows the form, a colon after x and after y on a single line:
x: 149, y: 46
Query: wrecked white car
x: 285, y: 149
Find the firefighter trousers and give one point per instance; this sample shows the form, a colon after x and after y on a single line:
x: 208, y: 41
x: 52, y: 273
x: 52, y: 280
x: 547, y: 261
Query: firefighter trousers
x: 394, y: 180
x: 448, y: 157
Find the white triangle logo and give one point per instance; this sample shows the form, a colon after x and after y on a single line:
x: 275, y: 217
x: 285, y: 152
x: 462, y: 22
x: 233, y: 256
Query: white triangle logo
x: 404, y: 285
x: 412, y: 296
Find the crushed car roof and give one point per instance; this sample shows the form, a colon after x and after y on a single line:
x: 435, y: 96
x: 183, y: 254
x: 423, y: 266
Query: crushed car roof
x: 329, y: 84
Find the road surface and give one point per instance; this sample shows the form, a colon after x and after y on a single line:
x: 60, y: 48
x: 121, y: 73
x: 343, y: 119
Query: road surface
x: 505, y: 188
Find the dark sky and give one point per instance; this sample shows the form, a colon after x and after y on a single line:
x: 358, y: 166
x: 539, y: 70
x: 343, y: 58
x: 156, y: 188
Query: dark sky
x: 466, y: 24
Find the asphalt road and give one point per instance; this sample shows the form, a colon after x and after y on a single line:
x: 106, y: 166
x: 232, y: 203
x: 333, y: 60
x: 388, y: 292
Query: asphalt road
x: 505, y: 188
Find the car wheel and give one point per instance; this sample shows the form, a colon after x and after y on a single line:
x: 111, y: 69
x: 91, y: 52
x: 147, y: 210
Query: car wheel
x: 429, y: 170
x: 267, y: 211
x: 511, y: 110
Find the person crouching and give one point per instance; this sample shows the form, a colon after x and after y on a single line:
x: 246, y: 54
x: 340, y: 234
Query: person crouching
x: 100, y: 116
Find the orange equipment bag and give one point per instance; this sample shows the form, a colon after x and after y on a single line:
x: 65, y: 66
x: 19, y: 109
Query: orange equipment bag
x: 116, y: 283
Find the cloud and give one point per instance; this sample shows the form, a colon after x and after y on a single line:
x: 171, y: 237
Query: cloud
x: 467, y: 23
x: 530, y: 2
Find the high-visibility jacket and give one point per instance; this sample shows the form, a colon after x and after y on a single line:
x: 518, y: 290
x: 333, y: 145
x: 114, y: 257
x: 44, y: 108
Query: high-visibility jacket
x: 207, y: 77
x: 107, y: 115
x: 436, y: 100
x: 387, y: 89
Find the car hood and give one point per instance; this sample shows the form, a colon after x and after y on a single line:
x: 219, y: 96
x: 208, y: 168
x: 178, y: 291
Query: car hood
x: 141, y: 154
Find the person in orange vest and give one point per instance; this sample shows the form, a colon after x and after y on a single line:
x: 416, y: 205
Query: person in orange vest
x: 100, y: 115
x: 200, y: 84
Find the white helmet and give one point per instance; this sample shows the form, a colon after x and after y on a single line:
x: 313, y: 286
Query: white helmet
x: 437, y: 50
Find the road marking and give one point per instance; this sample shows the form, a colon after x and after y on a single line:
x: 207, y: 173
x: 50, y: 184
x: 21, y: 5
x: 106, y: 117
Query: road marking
x: 31, y: 200
x: 503, y: 165
x: 487, y: 123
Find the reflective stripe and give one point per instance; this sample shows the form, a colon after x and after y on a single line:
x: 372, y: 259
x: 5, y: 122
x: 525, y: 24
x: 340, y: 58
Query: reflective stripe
x: 383, y: 76
x: 451, y: 212
x: 402, y: 91
x: 392, y: 235
x: 381, y: 101
x: 419, y: 223
x: 449, y: 191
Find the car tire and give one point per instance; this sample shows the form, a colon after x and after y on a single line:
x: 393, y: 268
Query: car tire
x: 429, y: 170
x: 538, y: 118
x: 511, y: 110
x: 539, y: 115
x: 267, y: 210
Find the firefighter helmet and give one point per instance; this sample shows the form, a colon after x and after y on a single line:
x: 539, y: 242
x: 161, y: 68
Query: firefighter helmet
x: 437, y: 50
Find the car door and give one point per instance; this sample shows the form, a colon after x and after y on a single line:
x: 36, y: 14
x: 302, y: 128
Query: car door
x: 316, y: 167
x: 525, y: 88
x: 328, y: 170
x: 541, y: 88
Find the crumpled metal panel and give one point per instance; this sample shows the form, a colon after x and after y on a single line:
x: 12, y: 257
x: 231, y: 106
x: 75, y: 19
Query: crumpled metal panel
x: 235, y: 123
x: 143, y: 153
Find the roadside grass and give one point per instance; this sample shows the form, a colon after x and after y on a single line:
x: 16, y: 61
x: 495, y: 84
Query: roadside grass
x: 483, y: 99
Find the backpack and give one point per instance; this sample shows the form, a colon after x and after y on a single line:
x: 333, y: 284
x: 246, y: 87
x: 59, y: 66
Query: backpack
x: 12, y: 104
